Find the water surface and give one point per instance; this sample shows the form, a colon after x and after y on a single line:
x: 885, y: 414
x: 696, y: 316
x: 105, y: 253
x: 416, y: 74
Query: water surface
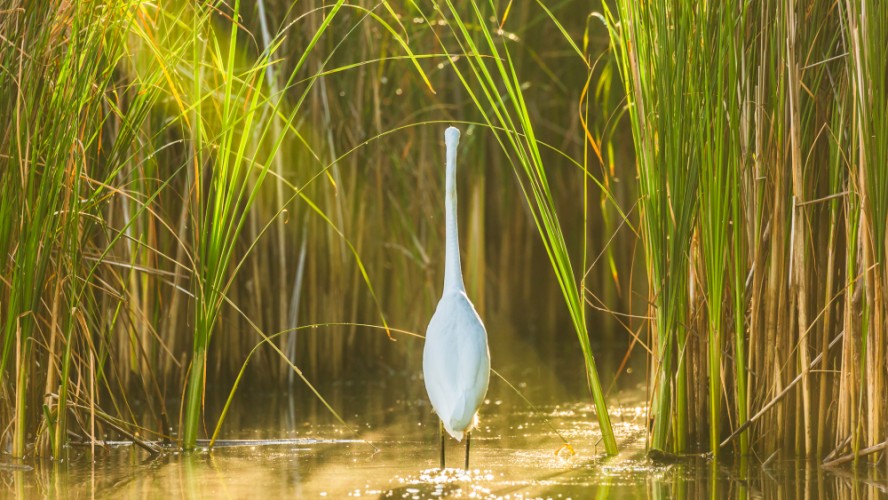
x: 285, y: 444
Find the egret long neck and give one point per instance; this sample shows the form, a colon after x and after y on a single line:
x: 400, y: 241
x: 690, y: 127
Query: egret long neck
x: 453, y: 279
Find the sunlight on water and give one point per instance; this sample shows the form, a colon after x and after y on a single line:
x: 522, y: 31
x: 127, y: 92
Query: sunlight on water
x: 516, y: 454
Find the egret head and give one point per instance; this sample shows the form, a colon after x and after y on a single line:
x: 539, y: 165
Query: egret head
x: 451, y: 137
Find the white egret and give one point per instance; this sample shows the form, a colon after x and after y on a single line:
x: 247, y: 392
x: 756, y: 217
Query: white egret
x: 455, y: 359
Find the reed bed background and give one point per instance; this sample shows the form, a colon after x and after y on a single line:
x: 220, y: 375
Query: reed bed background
x: 184, y: 182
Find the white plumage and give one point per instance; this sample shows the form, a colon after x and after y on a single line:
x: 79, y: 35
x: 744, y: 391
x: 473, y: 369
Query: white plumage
x: 456, y: 359
x: 456, y: 363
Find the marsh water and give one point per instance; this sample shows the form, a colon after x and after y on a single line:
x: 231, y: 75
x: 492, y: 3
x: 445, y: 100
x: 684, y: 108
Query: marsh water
x: 285, y: 444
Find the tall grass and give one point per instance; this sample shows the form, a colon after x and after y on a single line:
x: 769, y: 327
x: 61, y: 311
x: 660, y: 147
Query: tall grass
x: 161, y: 156
x: 658, y: 86
x: 866, y: 24
x: 720, y: 158
x: 771, y: 113
x: 222, y: 210
x: 48, y: 181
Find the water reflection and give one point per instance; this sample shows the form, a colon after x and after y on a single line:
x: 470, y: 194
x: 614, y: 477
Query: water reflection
x: 393, y: 454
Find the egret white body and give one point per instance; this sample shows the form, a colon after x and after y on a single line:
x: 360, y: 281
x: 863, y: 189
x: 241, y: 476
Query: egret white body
x: 456, y: 359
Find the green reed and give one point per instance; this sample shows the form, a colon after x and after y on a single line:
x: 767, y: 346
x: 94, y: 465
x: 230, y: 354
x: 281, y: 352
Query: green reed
x: 224, y: 208
x: 866, y: 25
x: 658, y: 86
x: 719, y: 153
x: 755, y: 97
x: 56, y: 109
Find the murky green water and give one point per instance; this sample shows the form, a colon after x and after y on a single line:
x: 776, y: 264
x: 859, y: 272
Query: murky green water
x: 281, y: 445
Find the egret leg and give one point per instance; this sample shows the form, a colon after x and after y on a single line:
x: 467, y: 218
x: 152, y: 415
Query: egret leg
x: 468, y: 443
x: 441, y: 431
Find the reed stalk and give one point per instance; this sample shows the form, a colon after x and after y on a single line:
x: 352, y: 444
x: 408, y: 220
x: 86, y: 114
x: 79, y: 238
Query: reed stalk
x: 866, y: 24
x: 657, y: 85
x: 749, y: 96
x: 223, y: 210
